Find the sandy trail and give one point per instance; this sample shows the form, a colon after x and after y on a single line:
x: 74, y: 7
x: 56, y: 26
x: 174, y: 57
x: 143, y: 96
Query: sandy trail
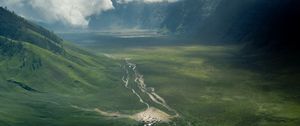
x: 149, y: 117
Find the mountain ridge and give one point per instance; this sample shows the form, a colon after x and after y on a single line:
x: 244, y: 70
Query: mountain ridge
x: 17, y: 28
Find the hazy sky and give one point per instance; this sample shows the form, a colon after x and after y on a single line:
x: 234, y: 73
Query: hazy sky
x: 146, y: 1
x: 74, y: 13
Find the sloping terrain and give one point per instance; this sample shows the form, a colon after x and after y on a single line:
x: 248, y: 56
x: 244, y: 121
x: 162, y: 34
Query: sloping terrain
x: 42, y: 77
x: 39, y: 87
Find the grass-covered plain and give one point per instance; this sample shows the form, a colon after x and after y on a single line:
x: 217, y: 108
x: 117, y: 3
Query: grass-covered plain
x: 208, y: 84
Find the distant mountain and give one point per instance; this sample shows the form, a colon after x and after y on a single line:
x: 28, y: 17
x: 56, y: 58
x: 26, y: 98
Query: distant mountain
x: 130, y: 15
x: 264, y: 23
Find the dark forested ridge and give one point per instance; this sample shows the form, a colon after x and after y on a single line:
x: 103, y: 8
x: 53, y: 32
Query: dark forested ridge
x: 15, y: 27
x: 9, y: 47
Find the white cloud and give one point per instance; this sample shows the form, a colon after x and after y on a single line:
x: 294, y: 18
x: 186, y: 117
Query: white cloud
x: 71, y: 12
x: 74, y: 13
x: 155, y: 1
x: 145, y: 1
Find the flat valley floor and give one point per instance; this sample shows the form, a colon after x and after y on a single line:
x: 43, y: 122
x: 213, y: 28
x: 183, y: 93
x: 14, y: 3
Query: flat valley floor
x: 206, y: 84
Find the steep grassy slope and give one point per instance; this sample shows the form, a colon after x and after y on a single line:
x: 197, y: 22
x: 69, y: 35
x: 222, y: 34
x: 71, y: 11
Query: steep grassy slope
x: 42, y: 78
x: 39, y: 87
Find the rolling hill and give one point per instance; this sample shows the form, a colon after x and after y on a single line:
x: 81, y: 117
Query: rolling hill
x: 42, y: 77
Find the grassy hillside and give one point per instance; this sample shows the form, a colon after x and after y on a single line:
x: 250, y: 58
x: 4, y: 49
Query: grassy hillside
x: 42, y: 77
x: 39, y: 87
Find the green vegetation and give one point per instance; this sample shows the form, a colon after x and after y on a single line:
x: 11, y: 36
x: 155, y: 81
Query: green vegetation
x: 9, y: 47
x: 42, y: 91
x: 41, y: 78
x: 211, y: 84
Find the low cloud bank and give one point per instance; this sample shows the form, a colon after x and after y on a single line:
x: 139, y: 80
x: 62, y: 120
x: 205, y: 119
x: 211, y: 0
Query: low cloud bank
x: 74, y: 13
x: 70, y: 12
x: 145, y: 1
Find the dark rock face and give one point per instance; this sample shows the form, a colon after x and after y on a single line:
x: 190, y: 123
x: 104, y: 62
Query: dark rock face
x: 272, y: 24
x: 130, y: 15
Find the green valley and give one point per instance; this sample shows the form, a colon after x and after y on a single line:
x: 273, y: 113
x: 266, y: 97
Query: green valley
x: 149, y: 63
x: 208, y: 84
